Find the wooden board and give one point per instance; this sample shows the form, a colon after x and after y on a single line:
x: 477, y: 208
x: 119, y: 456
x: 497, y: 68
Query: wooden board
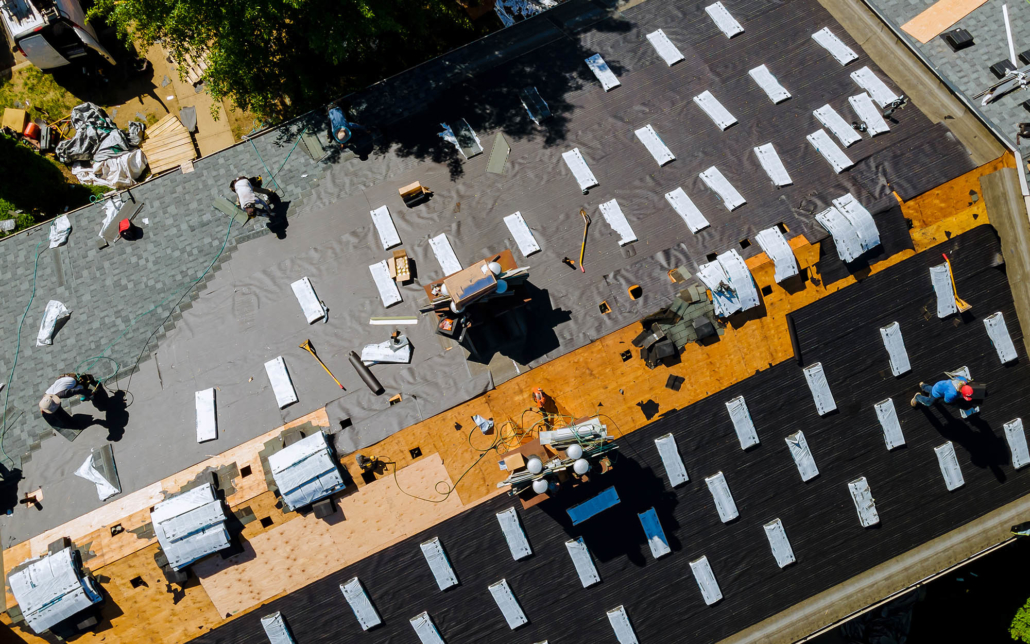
x: 168, y: 145
x: 941, y: 15
x: 290, y: 556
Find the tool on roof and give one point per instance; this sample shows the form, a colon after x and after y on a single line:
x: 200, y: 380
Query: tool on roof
x: 583, y: 246
x: 962, y: 305
x: 310, y: 349
x: 365, y: 373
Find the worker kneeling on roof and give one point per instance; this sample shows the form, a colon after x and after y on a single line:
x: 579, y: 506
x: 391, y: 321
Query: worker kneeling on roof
x: 954, y: 391
x: 247, y: 190
x: 66, y: 386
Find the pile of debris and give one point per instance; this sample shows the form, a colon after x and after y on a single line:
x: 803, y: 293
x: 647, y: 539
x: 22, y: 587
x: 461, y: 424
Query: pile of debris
x: 689, y: 318
x: 101, y: 154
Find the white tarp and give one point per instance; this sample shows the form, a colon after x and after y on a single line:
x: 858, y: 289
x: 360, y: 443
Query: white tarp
x: 821, y: 394
x: 687, y: 211
x: 655, y: 145
x: 50, y: 589
x: 714, y: 277
x: 715, y: 180
x: 51, y: 315
x: 584, y: 177
x: 384, y: 226
x: 190, y: 525
x: 869, y: 114
x: 115, y: 173
x: 276, y: 629
x: 522, y: 234
x: 668, y: 51
x: 110, y: 210
x: 602, y: 71
x: 444, y: 255
x: 105, y: 489
x: 776, y: 92
x: 312, y: 307
x: 726, y: 23
x: 940, y: 277
x: 387, y: 351
x: 740, y: 278
x: 774, y: 245
x: 279, y: 378
x: 715, y: 110
x: 877, y: 89
x: 59, y: 231
x: 772, y: 165
x: 387, y: 287
x: 861, y: 219
x: 836, y: 124
x: 833, y: 44
x: 825, y: 146
x: 613, y: 215
x: 305, y: 471
x: 207, y: 420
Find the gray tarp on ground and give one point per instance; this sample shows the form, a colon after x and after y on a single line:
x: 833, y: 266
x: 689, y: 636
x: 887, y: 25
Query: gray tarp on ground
x: 97, y: 137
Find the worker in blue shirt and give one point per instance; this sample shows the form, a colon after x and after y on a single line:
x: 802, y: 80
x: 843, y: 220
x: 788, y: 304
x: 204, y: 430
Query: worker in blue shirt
x: 953, y: 390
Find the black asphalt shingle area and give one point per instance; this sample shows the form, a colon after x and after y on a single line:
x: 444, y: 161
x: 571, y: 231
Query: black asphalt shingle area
x: 661, y: 596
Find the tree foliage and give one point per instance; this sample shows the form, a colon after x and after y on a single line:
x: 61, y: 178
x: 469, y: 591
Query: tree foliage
x: 1020, y: 627
x: 277, y: 58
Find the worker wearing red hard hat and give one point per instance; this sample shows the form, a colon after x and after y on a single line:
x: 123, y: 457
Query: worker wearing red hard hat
x: 952, y: 391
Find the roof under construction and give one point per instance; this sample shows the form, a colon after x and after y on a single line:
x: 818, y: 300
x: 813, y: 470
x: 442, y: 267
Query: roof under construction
x: 819, y: 517
x: 692, y: 170
x: 215, y: 341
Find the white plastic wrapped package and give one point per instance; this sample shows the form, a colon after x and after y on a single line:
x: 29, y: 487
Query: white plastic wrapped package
x: 115, y: 173
x: 105, y: 489
x: 59, y: 231
x: 54, y: 312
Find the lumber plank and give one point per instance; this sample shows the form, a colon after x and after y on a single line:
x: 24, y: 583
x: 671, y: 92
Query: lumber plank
x: 939, y: 17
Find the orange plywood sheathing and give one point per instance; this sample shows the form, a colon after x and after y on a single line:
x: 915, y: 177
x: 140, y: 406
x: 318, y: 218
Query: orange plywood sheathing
x: 290, y: 556
x: 133, y: 510
x: 941, y: 15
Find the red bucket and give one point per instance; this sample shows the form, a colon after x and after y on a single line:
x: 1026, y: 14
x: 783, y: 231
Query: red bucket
x: 31, y: 131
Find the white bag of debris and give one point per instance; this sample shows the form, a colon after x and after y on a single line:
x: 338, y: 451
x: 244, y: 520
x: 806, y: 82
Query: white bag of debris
x: 54, y: 312
x: 116, y: 173
x: 59, y: 231
x: 88, y: 470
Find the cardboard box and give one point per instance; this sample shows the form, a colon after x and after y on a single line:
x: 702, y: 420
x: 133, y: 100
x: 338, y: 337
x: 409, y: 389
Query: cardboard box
x: 15, y: 119
x: 514, y: 462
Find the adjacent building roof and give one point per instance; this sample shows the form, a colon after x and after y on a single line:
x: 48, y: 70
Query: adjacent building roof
x: 968, y: 70
x: 52, y: 588
x: 190, y: 525
x: 306, y: 471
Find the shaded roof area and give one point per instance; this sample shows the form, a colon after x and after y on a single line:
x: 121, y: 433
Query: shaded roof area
x: 968, y: 70
x: 661, y: 597
x: 249, y: 315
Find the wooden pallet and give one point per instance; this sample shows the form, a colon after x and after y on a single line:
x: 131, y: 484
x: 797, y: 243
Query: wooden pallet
x: 168, y: 145
x: 195, y: 68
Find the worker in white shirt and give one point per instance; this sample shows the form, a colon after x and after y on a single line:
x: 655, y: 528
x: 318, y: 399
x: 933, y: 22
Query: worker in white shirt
x: 66, y: 386
x: 247, y: 190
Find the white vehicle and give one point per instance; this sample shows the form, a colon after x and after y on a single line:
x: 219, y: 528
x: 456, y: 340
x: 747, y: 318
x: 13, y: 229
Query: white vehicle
x: 50, y: 33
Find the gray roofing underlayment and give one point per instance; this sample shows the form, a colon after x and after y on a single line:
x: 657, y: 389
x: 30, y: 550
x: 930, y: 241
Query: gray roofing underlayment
x: 246, y: 313
x: 968, y: 70
x: 819, y: 517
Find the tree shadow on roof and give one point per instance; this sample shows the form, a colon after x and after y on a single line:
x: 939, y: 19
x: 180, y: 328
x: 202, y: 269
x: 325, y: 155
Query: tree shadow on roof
x: 479, y: 83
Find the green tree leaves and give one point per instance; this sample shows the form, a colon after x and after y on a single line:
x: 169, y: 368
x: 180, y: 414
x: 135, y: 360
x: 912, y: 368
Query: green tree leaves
x: 279, y: 58
x: 1020, y: 627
